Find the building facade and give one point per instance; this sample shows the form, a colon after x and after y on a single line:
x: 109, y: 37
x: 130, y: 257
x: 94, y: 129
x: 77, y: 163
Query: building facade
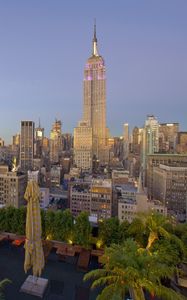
x: 95, y: 102
x: 83, y: 146
x: 55, y: 142
x: 94, y: 196
x: 174, y: 160
x: 170, y: 186
x: 12, y: 187
x: 27, y: 145
x: 168, y: 137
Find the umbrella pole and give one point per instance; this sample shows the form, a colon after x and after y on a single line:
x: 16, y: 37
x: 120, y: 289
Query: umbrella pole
x: 33, y: 276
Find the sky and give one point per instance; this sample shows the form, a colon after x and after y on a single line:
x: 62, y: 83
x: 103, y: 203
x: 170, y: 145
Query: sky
x: 44, y: 46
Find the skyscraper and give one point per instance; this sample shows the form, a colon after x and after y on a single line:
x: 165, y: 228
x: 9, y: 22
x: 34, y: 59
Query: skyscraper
x: 27, y: 145
x: 83, y: 146
x: 150, y: 142
x: 95, y: 101
x: 39, y: 135
x: 55, y: 143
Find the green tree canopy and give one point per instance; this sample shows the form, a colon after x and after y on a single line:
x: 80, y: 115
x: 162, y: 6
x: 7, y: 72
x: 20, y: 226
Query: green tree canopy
x: 82, y: 230
x: 109, y: 231
x: 130, y: 268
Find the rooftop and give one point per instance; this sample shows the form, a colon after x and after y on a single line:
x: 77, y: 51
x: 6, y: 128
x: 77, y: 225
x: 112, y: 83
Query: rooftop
x: 63, y: 277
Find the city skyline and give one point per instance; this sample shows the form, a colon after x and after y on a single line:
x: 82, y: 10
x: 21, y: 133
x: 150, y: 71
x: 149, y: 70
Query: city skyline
x: 44, y: 47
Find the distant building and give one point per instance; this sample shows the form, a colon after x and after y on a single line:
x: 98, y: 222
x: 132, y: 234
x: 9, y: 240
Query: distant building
x: 94, y: 196
x: 120, y: 176
x: 132, y: 201
x: 27, y: 145
x: 95, y: 102
x: 137, y: 137
x: 150, y: 142
x: 67, y: 142
x: 44, y: 197
x: 83, y: 146
x: 16, y: 140
x: 175, y: 160
x: 182, y: 142
x: 56, y: 175
x: 2, y: 143
x: 170, y: 186
x: 55, y: 142
x: 45, y: 145
x: 12, y: 187
x: 38, y: 145
x: 168, y: 137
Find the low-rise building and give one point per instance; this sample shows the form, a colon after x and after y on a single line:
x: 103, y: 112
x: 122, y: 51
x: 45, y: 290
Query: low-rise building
x: 44, y: 197
x: 93, y: 196
x: 132, y: 200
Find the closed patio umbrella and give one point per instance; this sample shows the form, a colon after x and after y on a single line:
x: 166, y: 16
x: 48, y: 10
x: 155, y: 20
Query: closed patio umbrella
x: 34, y: 257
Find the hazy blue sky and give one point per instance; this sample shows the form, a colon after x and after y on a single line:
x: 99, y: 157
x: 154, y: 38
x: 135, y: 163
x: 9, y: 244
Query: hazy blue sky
x: 44, y: 46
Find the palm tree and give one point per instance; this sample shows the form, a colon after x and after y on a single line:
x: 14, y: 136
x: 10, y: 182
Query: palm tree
x: 3, y: 283
x: 155, y: 224
x: 147, y: 228
x: 128, y: 268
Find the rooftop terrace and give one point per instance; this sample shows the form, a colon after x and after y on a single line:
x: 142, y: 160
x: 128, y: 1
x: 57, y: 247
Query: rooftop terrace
x: 63, y: 276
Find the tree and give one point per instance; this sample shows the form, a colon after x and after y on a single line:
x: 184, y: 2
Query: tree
x: 67, y: 225
x: 49, y: 224
x: 3, y: 283
x: 147, y: 228
x: 82, y: 231
x: 123, y: 231
x: 2, y: 219
x: 130, y: 268
x: 63, y: 225
x: 21, y: 221
x: 109, y: 231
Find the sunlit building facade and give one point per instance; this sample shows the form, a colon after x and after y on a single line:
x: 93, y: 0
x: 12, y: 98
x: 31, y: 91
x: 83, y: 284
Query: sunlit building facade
x: 27, y: 145
x: 95, y: 102
x: 83, y: 146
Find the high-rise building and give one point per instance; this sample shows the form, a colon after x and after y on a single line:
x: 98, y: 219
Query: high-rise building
x: 55, y: 143
x: 83, y: 146
x: 126, y: 132
x: 151, y: 135
x: 39, y: 136
x: 67, y: 141
x: 182, y: 142
x: 2, y: 143
x: 135, y: 147
x: 126, y: 140
x: 16, y: 140
x: 150, y: 141
x: 95, y: 102
x: 168, y: 137
x: 27, y: 145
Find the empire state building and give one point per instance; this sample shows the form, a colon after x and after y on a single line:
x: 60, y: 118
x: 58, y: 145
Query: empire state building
x: 95, y: 101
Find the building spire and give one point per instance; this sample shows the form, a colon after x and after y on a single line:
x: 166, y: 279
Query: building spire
x: 94, y: 50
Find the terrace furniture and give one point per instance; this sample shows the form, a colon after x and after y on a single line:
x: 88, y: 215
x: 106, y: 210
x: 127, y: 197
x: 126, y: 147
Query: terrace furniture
x: 81, y: 293
x: 18, y: 242
x: 65, y: 251
x: 77, y: 248
x: 83, y: 260
x: 2, y: 238
x: 97, y: 252
x: 47, y: 247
